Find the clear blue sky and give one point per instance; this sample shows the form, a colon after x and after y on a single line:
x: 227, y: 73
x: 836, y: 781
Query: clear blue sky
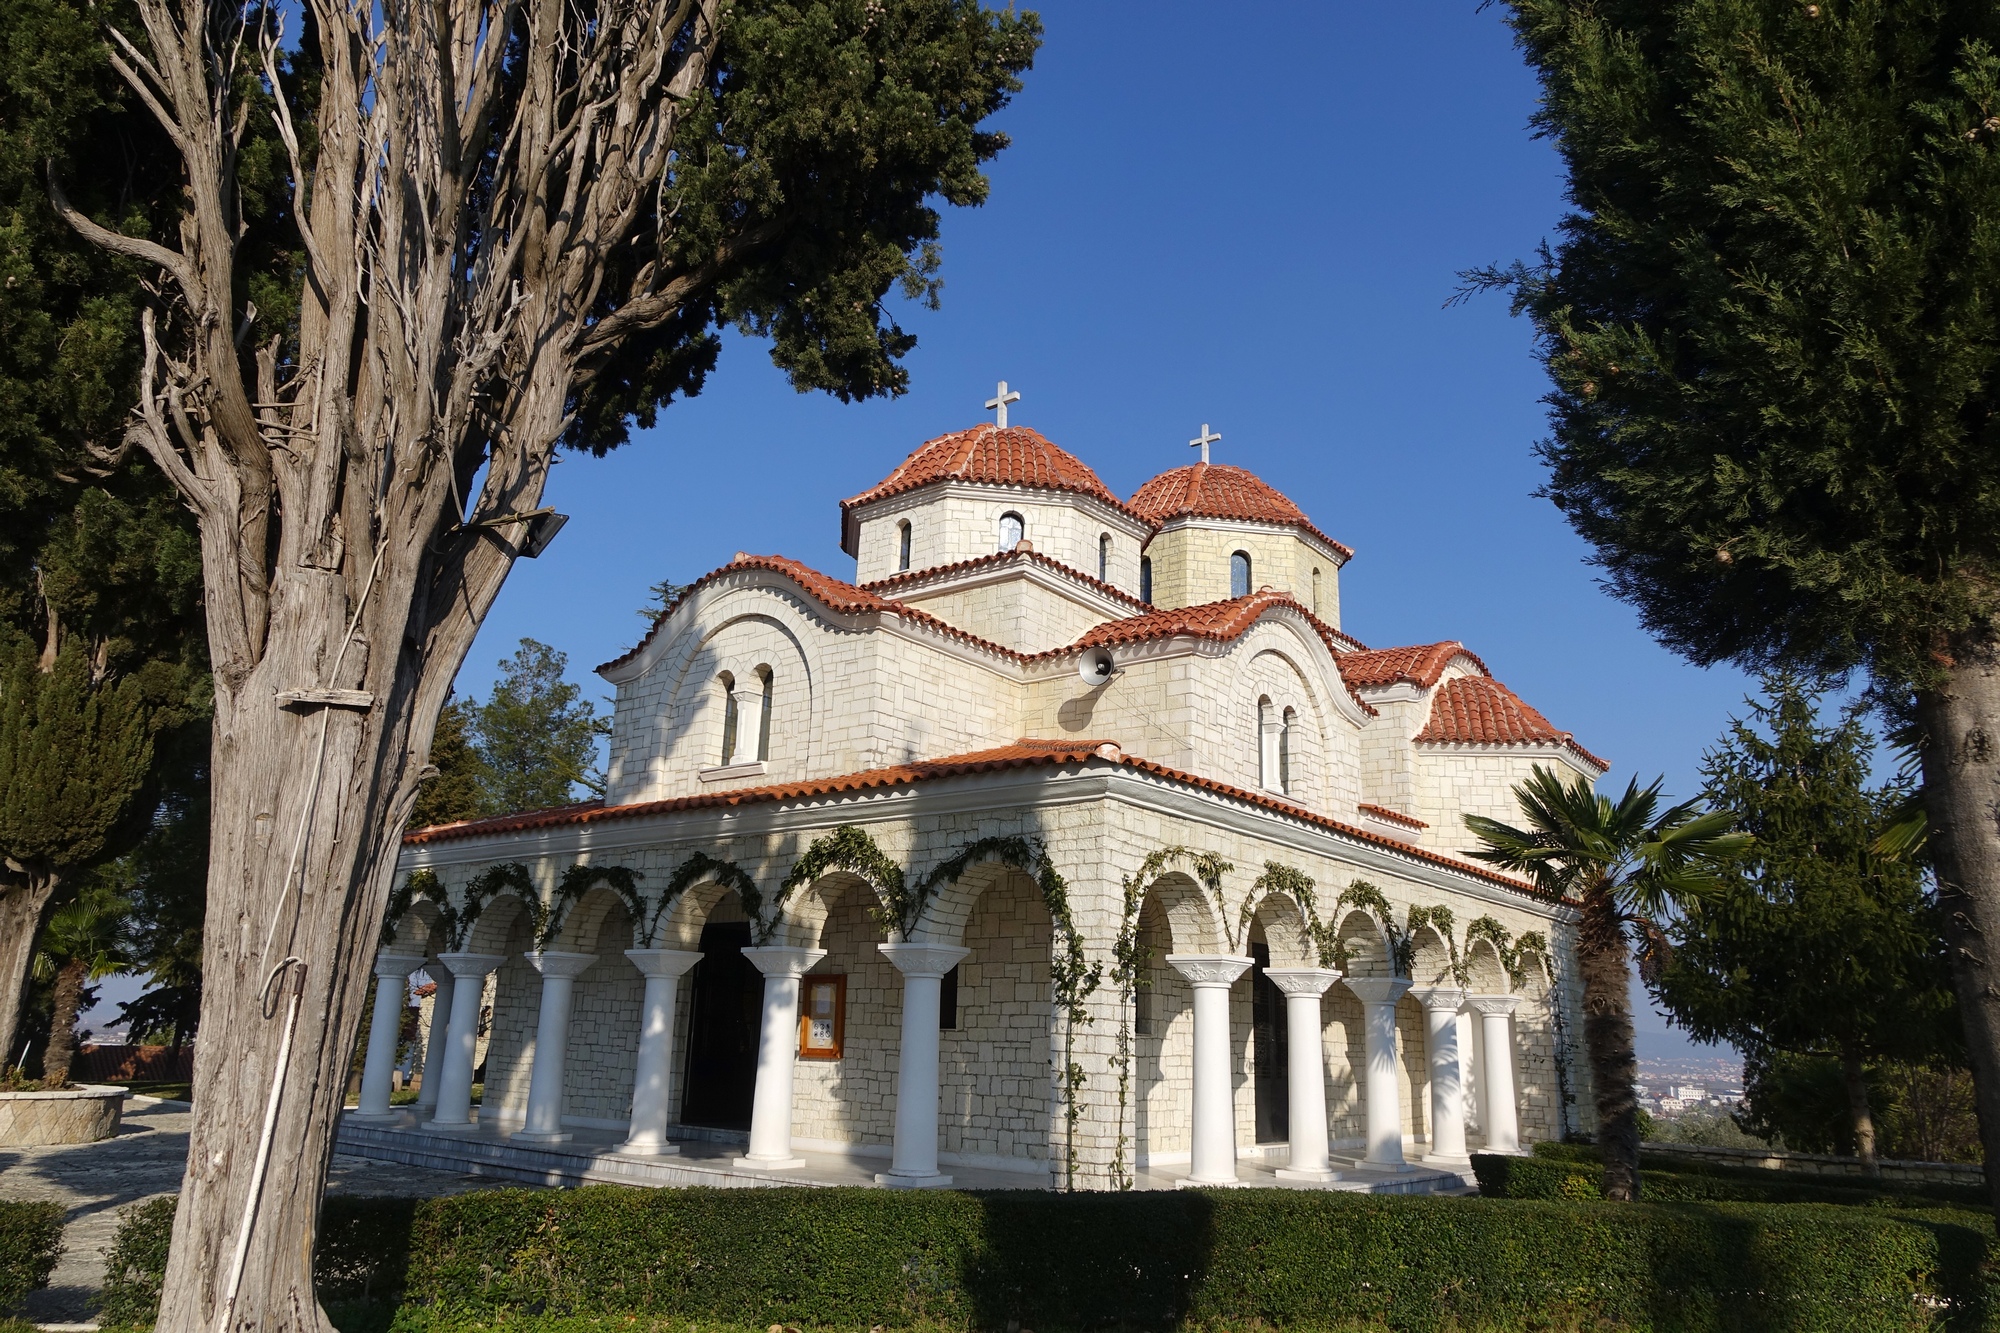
x: 1253, y: 223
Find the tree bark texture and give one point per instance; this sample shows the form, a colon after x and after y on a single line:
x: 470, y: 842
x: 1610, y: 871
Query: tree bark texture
x: 68, y: 998
x: 1604, y: 956
x: 458, y: 226
x: 1961, y: 722
x: 1860, y: 1115
x: 22, y: 908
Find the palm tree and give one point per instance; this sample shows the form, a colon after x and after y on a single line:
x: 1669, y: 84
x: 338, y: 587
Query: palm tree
x: 84, y: 941
x: 1624, y: 863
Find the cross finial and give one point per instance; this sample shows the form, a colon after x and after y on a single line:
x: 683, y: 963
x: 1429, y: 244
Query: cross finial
x: 1208, y: 437
x: 998, y: 402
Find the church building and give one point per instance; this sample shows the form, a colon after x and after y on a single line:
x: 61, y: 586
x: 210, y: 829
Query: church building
x: 1064, y: 840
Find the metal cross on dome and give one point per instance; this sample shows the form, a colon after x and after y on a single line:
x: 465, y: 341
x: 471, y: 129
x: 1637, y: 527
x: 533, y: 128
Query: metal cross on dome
x: 998, y: 402
x: 1208, y: 437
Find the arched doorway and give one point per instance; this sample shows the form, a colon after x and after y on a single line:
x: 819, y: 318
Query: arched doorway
x: 725, y: 1006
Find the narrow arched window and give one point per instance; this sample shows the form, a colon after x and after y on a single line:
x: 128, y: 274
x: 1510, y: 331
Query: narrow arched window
x: 728, y: 684
x: 1315, y: 591
x: 1285, y: 751
x: 1239, y: 574
x: 1267, y: 752
x: 1146, y: 579
x: 1104, y: 558
x: 903, y: 545
x: 764, y: 714
x: 1011, y: 530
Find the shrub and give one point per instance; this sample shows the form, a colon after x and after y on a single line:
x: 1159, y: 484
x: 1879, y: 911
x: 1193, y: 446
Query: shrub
x: 31, y: 1240
x: 1567, y: 1171
x: 1235, y: 1258
x: 136, y: 1263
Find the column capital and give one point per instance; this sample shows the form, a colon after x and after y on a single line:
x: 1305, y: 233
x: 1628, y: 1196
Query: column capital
x: 1302, y: 980
x: 389, y: 965
x: 1440, y: 999
x: 469, y: 966
x: 663, y: 962
x: 922, y: 959
x: 1209, y: 969
x: 557, y: 963
x: 1377, y: 990
x: 783, y: 960
x: 1494, y: 1004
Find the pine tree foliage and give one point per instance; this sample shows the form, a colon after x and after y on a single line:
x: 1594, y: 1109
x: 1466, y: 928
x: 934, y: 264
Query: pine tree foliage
x: 1813, y: 942
x: 536, y: 735
x: 457, y: 790
x: 73, y: 754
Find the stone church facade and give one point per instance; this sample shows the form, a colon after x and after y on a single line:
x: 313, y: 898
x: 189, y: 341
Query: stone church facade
x: 1072, y: 837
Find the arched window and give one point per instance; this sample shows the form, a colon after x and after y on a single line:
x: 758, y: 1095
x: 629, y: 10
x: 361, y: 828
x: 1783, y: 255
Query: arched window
x: 1315, y: 591
x: 1146, y: 579
x: 1285, y: 750
x: 1104, y: 558
x: 903, y: 545
x: 728, y: 683
x: 1239, y: 574
x: 1011, y: 530
x: 764, y: 713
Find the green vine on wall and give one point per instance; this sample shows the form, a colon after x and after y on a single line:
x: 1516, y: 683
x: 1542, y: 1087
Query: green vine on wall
x: 484, y: 887
x: 577, y: 881
x: 1298, y: 886
x: 456, y: 921
x: 1128, y: 959
x: 696, y: 869
x: 1517, y: 956
x: 850, y: 849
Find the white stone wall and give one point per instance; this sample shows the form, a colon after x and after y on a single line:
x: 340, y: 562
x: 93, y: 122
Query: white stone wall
x: 1458, y: 780
x: 955, y: 521
x: 994, y: 1068
x: 1191, y: 564
x: 852, y: 1100
x: 1015, y: 612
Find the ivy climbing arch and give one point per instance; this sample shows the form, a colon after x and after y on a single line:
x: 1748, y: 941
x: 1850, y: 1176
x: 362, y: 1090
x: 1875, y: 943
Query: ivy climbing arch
x: 696, y: 869
x: 846, y: 848
x: 1520, y: 957
x: 570, y: 888
x: 456, y: 920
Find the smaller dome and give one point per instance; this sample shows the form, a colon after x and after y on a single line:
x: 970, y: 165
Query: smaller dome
x: 1217, y: 490
x: 1009, y: 456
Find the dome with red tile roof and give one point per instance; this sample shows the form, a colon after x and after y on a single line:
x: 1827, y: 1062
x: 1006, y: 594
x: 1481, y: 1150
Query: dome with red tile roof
x: 996, y: 455
x: 1217, y: 490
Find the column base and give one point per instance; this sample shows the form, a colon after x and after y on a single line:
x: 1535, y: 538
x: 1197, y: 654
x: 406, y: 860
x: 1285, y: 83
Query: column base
x: 1398, y: 1167
x: 890, y: 1180
x: 389, y: 1114
x: 1320, y: 1177
x: 1450, y: 1163
x: 630, y: 1149
x: 1190, y: 1183
x: 455, y: 1127
x: 769, y: 1163
x: 526, y: 1136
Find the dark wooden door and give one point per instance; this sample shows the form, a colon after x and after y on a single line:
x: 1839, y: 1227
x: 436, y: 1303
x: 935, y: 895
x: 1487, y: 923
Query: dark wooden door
x: 723, y: 1018
x: 1269, y: 1052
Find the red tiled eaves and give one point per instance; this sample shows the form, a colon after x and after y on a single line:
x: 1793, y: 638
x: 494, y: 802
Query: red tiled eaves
x: 1014, y: 456
x: 1217, y: 490
x: 1420, y: 664
x: 1393, y: 816
x: 1478, y: 710
x: 1022, y: 754
x: 830, y: 591
x: 1001, y: 558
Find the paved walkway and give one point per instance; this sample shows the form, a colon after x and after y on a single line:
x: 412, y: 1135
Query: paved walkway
x: 146, y: 1159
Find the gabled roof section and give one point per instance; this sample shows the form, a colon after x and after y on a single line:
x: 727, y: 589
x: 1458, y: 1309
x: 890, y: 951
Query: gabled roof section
x: 1216, y: 621
x: 919, y: 576
x: 1419, y: 664
x: 828, y: 590
x: 1022, y: 754
x: 1217, y: 490
x: 1478, y: 710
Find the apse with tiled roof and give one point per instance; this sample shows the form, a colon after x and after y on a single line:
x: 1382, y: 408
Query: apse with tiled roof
x: 1221, y: 531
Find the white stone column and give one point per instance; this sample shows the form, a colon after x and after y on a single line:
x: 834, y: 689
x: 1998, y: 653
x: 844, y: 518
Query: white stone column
x: 663, y: 969
x: 439, y: 1037
x: 1441, y: 1005
x: 914, y: 1165
x: 545, y: 1082
x: 454, y: 1096
x: 392, y: 995
x: 1503, y: 1130
x: 1305, y: 1055
x: 1385, y: 1098
x: 1213, y: 1133
x: 749, y: 720
x: 777, y: 1053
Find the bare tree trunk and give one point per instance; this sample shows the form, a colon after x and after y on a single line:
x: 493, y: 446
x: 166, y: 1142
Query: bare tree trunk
x: 22, y: 908
x: 1961, y: 721
x: 1855, y: 1075
x: 1605, y: 959
x: 62, y: 1027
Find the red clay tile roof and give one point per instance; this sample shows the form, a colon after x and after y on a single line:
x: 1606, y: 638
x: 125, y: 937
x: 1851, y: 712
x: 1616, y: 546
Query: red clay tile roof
x: 830, y: 591
x: 1001, y: 558
x: 1220, y: 621
x: 1015, y: 456
x: 1478, y: 710
x: 1421, y: 664
x: 1392, y: 816
x: 1217, y: 490
x: 1021, y: 754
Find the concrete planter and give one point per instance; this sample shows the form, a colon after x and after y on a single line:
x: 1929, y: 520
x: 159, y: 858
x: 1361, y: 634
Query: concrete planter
x: 76, y: 1115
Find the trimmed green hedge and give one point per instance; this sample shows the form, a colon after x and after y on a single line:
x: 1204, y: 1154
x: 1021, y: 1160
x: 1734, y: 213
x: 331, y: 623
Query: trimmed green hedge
x: 31, y: 1240
x: 1573, y: 1172
x: 1292, y: 1259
